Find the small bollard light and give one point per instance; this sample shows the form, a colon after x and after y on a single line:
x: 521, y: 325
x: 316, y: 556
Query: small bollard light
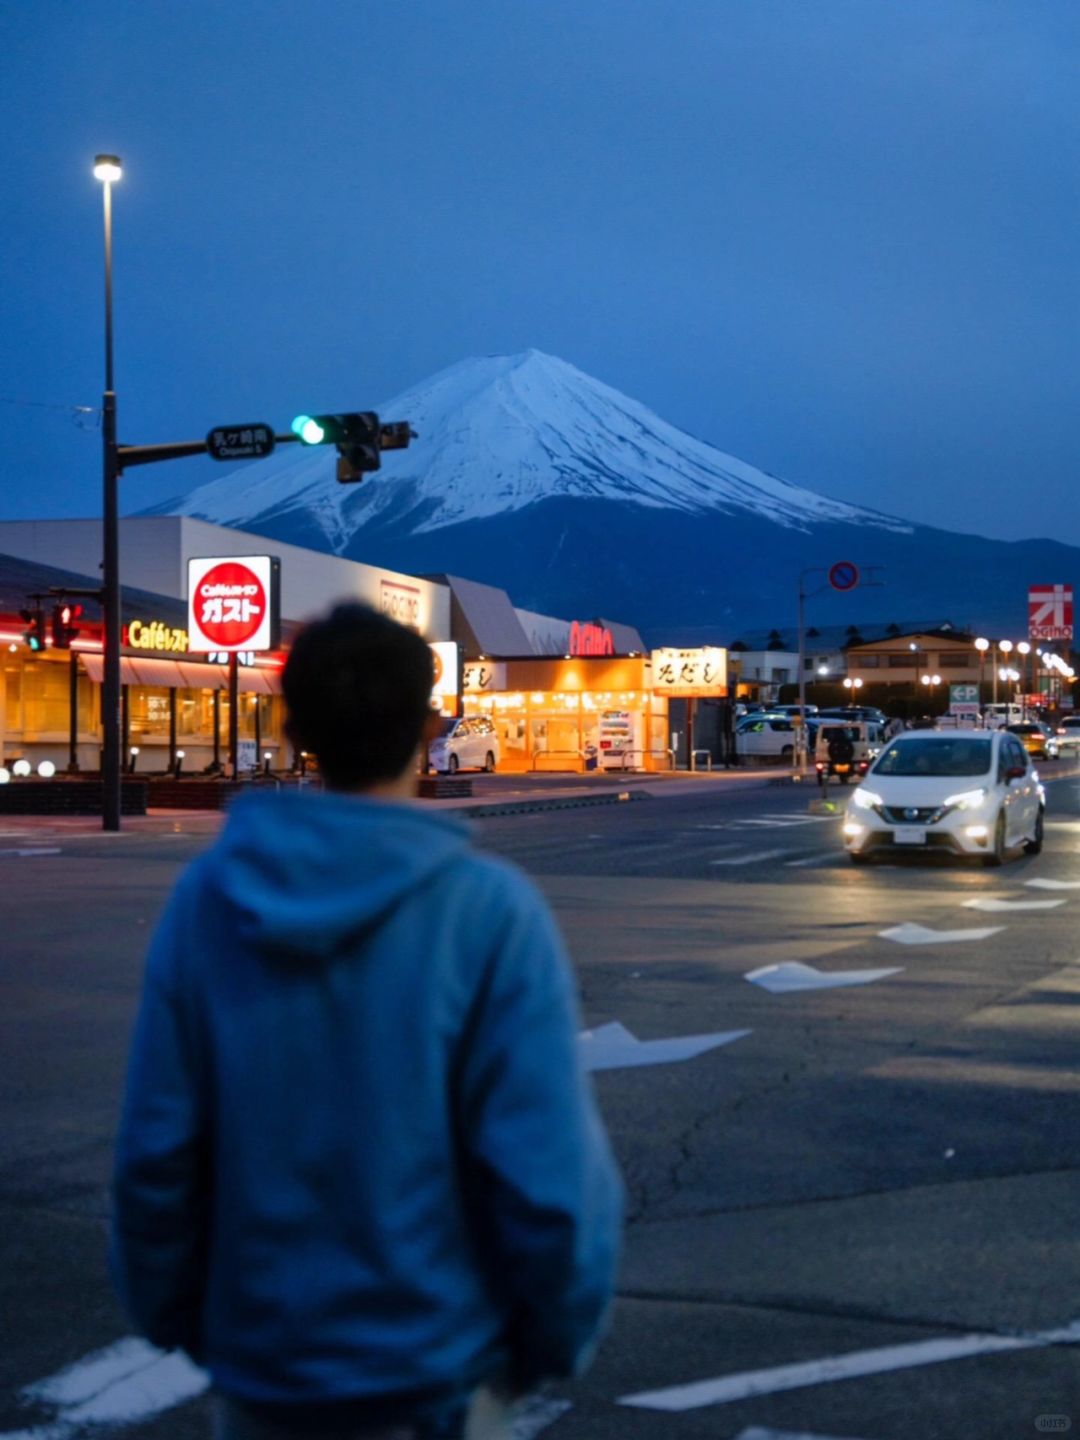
x: 21, y: 769
x: 267, y: 757
x: 179, y: 763
x: 133, y: 759
x: 46, y: 769
x: 5, y: 775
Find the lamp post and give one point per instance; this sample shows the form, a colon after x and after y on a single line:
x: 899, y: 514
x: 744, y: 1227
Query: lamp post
x: 107, y: 169
x: 852, y: 686
x: 932, y: 682
x: 1024, y: 650
x: 914, y: 648
x: 981, y: 645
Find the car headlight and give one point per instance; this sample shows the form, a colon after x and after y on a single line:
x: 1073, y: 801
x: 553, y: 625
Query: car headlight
x: 966, y: 800
x: 866, y: 799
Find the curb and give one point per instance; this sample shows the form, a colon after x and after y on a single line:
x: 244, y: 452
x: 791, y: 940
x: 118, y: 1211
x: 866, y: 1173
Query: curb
x: 566, y: 802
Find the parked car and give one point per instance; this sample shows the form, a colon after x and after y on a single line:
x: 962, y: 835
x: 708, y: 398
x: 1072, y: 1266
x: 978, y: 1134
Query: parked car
x: 1037, y: 739
x: 968, y: 792
x: 998, y: 715
x: 470, y: 742
x: 766, y: 736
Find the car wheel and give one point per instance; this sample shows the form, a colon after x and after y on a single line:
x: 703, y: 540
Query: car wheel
x: 452, y: 765
x: 997, y: 854
x: 489, y: 763
x: 1035, y: 844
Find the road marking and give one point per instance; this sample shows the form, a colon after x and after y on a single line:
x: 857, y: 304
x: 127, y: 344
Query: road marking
x: 613, y: 1047
x: 991, y: 906
x: 750, y: 859
x: 123, y: 1384
x: 910, y: 934
x: 133, y: 1381
x: 1053, y: 884
x: 825, y: 859
x: 757, y: 1433
x: 793, y: 975
x: 37, y: 850
x: 728, y: 1389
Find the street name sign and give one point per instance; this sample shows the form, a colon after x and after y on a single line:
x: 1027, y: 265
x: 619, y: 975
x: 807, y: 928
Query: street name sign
x: 240, y: 442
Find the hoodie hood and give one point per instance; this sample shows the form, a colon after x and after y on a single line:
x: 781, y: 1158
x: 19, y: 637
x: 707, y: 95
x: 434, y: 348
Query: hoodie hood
x: 308, y: 871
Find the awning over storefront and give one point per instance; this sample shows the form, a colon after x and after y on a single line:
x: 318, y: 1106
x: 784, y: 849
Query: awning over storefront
x: 184, y: 675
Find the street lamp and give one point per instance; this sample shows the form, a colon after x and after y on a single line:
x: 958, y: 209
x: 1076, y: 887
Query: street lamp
x: 1024, y: 650
x: 107, y: 169
x: 851, y: 685
x: 914, y: 648
x: 981, y: 645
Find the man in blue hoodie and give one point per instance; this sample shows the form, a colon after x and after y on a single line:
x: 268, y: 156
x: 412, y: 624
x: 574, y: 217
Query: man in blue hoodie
x: 360, y: 1176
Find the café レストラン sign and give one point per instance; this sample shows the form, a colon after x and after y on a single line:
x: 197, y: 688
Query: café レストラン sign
x: 154, y: 635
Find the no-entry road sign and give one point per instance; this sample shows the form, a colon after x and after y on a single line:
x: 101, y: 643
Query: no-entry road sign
x: 843, y: 575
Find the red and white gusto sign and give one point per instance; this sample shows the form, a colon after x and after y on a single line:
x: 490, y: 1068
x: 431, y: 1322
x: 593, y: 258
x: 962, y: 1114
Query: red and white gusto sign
x: 1050, y: 612
x: 233, y: 603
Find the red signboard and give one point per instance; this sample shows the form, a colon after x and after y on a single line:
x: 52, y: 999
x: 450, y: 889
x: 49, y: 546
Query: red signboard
x: 590, y: 639
x: 233, y: 603
x: 1050, y: 612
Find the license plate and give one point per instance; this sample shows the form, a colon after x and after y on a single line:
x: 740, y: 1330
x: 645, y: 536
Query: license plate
x: 842, y: 769
x: 910, y: 835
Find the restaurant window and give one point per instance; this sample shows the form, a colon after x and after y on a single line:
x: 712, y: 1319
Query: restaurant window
x: 46, y: 704
x: 148, y: 712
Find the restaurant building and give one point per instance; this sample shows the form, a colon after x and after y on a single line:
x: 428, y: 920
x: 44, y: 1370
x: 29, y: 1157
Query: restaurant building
x: 564, y: 694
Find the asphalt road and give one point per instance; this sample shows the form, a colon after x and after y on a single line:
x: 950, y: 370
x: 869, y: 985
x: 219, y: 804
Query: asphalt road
x: 868, y: 1178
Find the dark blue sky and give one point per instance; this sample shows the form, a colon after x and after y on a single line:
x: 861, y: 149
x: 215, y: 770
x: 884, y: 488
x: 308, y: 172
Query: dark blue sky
x: 837, y: 238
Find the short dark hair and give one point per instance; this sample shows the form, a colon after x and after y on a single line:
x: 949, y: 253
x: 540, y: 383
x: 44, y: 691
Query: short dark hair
x: 357, y: 686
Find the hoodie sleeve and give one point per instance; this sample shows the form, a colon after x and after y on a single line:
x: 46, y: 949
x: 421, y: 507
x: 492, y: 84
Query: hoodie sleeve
x: 545, y: 1185
x: 157, y: 1243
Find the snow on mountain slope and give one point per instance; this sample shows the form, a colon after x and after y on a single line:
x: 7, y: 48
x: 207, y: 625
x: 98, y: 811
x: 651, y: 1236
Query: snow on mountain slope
x: 500, y: 433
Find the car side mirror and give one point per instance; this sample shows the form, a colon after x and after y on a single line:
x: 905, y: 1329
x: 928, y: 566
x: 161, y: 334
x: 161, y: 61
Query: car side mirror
x: 1015, y: 772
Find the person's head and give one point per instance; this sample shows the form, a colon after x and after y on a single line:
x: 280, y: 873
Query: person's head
x: 357, y: 689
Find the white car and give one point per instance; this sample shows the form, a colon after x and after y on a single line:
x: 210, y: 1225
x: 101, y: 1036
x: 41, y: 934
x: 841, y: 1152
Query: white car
x: 468, y: 743
x: 1068, y: 733
x: 766, y: 736
x: 968, y: 792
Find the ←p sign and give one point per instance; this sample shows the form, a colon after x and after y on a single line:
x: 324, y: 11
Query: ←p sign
x: 233, y: 603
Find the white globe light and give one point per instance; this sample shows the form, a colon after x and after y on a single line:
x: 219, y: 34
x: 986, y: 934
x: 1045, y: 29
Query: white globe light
x: 21, y: 767
x: 5, y: 776
x: 46, y: 769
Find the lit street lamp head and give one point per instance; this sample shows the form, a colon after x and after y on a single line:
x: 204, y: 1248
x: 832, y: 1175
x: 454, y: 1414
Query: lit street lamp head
x: 107, y: 168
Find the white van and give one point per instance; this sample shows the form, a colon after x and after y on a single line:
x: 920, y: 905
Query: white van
x: 468, y: 742
x: 997, y: 716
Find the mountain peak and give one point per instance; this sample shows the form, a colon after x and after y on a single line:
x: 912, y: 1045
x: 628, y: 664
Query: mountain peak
x: 499, y: 433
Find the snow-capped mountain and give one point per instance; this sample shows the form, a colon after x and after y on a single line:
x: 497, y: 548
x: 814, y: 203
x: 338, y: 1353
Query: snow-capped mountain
x: 530, y: 475
x: 501, y: 433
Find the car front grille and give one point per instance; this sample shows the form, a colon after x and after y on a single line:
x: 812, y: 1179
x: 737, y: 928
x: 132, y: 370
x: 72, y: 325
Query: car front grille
x: 911, y: 814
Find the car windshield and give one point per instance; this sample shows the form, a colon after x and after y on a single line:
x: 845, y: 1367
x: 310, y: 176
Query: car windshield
x: 1023, y: 730
x: 446, y: 727
x: 964, y: 755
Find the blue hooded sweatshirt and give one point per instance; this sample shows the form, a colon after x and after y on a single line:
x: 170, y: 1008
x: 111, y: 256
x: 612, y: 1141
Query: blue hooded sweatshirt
x: 358, y: 1158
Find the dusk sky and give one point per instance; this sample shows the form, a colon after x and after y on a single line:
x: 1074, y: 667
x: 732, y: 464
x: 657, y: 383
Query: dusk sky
x: 836, y: 238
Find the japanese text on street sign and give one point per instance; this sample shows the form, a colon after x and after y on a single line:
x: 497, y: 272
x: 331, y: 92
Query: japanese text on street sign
x: 240, y: 442
x: 690, y: 672
x: 232, y: 603
x: 1050, y: 612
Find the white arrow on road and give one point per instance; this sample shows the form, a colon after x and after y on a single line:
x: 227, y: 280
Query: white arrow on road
x: 1053, y: 884
x: 910, y: 934
x: 993, y: 907
x: 793, y: 975
x: 612, y: 1047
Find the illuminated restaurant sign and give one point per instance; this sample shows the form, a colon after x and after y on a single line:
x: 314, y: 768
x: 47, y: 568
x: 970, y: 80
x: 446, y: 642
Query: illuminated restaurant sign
x: 690, y: 672
x: 446, y: 691
x: 153, y: 635
x: 233, y: 603
x: 401, y: 602
x: 590, y: 639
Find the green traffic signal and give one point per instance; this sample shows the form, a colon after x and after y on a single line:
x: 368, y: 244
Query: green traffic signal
x: 308, y: 429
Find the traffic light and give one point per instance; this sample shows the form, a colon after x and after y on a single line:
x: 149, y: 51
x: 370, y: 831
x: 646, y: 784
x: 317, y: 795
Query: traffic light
x: 356, y: 435
x: 64, y: 630
x: 34, y: 634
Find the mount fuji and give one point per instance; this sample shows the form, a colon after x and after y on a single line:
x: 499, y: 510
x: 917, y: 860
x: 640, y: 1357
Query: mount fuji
x: 531, y: 475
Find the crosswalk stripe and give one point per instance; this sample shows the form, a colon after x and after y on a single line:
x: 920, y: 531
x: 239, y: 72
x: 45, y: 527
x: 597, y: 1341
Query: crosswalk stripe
x: 750, y: 859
